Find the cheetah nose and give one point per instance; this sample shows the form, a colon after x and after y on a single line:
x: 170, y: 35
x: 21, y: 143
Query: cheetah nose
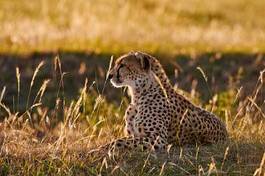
x: 110, y: 76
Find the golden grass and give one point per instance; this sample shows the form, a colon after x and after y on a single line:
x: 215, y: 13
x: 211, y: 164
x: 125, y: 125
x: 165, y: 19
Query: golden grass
x: 118, y: 26
x: 40, y: 140
x: 32, y: 144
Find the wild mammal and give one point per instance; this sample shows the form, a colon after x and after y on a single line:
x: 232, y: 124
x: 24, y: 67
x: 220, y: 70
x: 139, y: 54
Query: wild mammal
x: 157, y: 114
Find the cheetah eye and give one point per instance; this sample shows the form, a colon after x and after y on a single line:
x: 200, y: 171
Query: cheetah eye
x: 121, y: 66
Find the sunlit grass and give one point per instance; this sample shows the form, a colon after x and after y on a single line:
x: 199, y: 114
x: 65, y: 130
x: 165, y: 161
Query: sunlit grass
x: 48, y: 131
x: 34, y: 142
x: 118, y: 26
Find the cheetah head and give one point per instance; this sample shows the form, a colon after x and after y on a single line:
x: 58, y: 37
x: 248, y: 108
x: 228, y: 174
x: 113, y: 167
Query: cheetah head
x: 132, y: 69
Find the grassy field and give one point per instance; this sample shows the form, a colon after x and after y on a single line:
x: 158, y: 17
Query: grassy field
x: 52, y: 133
x: 167, y: 26
x: 55, y: 105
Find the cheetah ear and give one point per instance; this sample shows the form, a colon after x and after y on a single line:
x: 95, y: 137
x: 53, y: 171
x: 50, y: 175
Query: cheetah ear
x: 143, y: 60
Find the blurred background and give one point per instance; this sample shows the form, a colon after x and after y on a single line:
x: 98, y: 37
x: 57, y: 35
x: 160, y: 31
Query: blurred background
x: 168, y: 26
x: 226, y: 39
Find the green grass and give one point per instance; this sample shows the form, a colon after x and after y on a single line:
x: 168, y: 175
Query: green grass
x: 190, y: 161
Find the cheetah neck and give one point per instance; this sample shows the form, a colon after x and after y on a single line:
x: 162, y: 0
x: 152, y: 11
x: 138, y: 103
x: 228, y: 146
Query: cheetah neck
x: 159, y: 71
x: 142, y: 90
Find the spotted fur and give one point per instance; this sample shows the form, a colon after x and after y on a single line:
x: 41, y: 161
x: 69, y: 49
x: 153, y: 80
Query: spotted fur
x: 157, y: 114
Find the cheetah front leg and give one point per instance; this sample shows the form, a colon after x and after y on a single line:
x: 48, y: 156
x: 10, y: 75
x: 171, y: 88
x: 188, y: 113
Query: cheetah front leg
x: 144, y: 143
x: 130, y: 120
x: 131, y: 143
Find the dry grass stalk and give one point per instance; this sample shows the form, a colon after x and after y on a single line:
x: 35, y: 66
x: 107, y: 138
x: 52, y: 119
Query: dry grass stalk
x: 32, y: 81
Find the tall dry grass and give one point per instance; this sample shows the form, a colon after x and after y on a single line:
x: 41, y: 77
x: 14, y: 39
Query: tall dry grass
x: 33, y: 142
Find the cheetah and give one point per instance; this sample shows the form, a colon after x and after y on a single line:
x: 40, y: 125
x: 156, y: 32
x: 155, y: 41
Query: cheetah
x: 157, y: 115
x: 192, y: 123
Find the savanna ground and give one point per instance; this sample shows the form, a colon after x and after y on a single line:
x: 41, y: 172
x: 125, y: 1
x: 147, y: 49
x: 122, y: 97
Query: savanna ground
x: 55, y: 105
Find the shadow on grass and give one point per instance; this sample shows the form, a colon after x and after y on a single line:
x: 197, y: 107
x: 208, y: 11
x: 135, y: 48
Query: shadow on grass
x: 223, y: 72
